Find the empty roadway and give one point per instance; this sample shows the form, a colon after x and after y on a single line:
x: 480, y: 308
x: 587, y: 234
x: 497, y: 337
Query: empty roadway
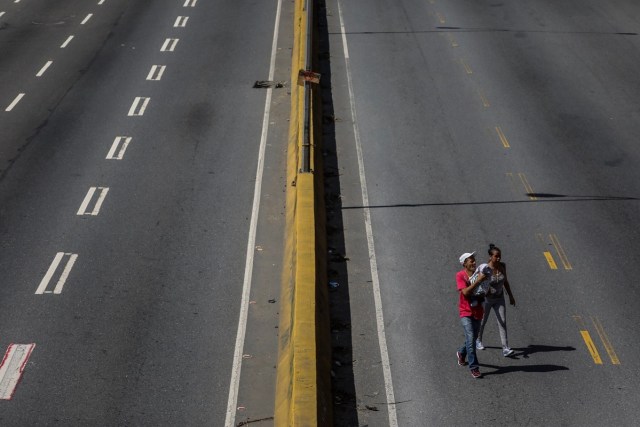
x: 129, y: 168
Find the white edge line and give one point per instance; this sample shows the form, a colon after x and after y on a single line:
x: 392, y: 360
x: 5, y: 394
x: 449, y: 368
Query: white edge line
x: 65, y: 274
x: 382, y: 340
x: 50, y: 271
x: 246, y: 290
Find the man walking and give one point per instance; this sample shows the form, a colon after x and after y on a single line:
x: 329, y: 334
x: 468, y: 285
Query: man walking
x: 470, y: 312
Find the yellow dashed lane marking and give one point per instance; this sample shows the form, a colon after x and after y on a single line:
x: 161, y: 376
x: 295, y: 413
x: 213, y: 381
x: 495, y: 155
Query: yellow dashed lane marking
x: 527, y: 187
x: 591, y: 347
x: 550, y: 260
x: 563, y: 256
x: 485, y: 101
x: 466, y: 66
x: 605, y: 341
x: 503, y: 139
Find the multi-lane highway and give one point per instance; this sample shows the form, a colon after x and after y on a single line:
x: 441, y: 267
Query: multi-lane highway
x: 141, y: 210
x: 458, y: 124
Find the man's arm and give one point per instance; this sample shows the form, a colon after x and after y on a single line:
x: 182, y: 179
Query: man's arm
x: 467, y: 288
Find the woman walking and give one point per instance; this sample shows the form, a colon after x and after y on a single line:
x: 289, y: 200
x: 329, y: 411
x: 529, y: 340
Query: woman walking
x: 495, y: 299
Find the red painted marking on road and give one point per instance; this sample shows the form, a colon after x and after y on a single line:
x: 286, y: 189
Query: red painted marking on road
x: 13, y: 363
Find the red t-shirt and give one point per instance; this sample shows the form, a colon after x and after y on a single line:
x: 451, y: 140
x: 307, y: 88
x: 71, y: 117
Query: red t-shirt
x: 462, y: 280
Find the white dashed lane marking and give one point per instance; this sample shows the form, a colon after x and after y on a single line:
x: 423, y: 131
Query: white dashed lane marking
x: 190, y: 3
x: 123, y: 143
x: 169, y: 45
x: 42, y: 289
x: 66, y: 42
x: 181, y: 22
x: 12, y: 367
x: 139, y: 106
x: 44, y: 68
x: 87, y: 199
x: 156, y: 72
x: 15, y: 102
x: 85, y: 20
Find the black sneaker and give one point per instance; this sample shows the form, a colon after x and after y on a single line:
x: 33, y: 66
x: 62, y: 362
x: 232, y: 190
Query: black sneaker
x: 461, y: 358
x: 475, y: 373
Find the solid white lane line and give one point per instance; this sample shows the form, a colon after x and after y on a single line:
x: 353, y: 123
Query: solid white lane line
x: 15, y: 102
x: 85, y: 20
x: 134, y: 110
x: 373, y: 263
x: 13, y: 364
x: 190, y: 3
x: 44, y: 68
x: 156, y: 72
x: 65, y: 273
x: 125, y: 140
x: 181, y: 22
x: 169, y: 45
x: 87, y: 199
x: 66, y: 42
x: 234, y: 384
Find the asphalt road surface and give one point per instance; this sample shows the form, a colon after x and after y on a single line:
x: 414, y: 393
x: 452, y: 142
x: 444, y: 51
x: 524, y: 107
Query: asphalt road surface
x: 458, y: 124
x: 132, y: 145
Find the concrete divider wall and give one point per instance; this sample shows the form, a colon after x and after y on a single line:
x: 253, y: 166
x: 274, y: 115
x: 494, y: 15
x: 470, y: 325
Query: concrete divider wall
x: 303, y: 387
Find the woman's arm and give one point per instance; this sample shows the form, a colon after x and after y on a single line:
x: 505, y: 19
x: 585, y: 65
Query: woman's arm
x: 512, y: 300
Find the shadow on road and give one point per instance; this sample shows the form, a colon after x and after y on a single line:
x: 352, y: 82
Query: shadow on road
x: 499, y: 370
x: 525, y: 352
x: 345, y: 411
x: 551, y: 198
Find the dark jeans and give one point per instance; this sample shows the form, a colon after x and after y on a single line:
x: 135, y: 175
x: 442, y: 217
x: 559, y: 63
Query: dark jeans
x: 471, y: 327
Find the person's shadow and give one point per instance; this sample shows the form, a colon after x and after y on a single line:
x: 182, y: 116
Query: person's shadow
x: 524, y: 353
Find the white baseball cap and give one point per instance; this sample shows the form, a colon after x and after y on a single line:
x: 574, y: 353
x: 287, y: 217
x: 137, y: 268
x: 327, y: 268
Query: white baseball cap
x: 466, y: 255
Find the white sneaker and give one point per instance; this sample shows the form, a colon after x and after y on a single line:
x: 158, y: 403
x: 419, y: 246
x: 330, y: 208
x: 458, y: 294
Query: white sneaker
x: 479, y: 345
x: 506, y: 352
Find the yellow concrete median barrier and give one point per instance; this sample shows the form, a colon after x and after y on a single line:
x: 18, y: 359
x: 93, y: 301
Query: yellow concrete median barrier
x: 303, y: 387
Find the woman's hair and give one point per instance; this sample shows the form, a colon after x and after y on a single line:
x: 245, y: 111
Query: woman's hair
x: 493, y: 248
